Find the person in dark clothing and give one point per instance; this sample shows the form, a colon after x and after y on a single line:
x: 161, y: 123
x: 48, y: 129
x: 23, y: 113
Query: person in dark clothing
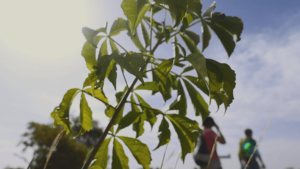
x: 246, y: 148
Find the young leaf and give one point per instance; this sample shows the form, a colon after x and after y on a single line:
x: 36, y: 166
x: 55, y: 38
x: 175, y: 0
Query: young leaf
x: 119, y: 158
x: 118, y: 26
x: 61, y: 113
x: 198, y: 62
x: 145, y: 35
x: 89, y: 35
x: 101, y: 156
x: 154, y: 86
x: 139, y: 150
x: 165, y: 135
x: 187, y: 130
x: 89, y: 53
x: 199, y: 103
x: 86, y: 119
x: 128, y: 119
x: 228, y: 30
x: 98, y: 94
x: 180, y: 102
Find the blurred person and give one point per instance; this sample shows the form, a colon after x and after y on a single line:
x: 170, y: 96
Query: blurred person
x: 207, y: 140
x: 246, y: 149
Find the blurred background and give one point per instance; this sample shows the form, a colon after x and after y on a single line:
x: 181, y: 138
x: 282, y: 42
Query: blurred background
x: 40, y: 52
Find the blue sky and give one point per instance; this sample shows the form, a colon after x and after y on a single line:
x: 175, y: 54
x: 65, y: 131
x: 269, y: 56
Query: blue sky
x: 40, y: 51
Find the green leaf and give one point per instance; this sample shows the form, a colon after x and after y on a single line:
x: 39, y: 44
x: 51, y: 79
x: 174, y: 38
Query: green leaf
x: 165, y: 135
x: 86, y: 119
x: 104, y: 30
x: 104, y: 67
x: 199, y: 63
x: 198, y: 102
x: 228, y: 30
x: 132, y: 62
x: 111, y: 73
x: 119, y: 158
x: 98, y: 94
x: 89, y: 53
x: 163, y: 70
x: 135, y: 11
x: 222, y: 82
x: 61, y: 113
x: 89, y: 34
x: 147, y: 109
x: 145, y: 35
x: 187, y: 130
x: 193, y: 36
x: 103, y: 50
x: 90, y: 81
x: 118, y: 26
x: 113, y: 46
x: 139, y: 150
x: 138, y: 125
x: 180, y: 102
x: 128, y: 119
x: 190, y: 44
x: 119, y: 96
x: 194, y: 7
x: 166, y: 91
x: 109, y: 111
x: 154, y: 86
x: 205, y: 35
x: 208, y: 12
x: 102, y: 155
x: 176, y: 53
x: 199, y: 83
x: 187, y: 69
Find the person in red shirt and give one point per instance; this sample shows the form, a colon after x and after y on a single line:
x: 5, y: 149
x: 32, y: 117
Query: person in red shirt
x: 209, y: 137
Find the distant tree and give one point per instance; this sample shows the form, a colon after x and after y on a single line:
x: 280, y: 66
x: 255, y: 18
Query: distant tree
x: 69, y: 153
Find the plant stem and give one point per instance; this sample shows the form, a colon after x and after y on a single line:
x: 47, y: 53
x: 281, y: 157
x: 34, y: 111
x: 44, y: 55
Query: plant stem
x: 119, y: 107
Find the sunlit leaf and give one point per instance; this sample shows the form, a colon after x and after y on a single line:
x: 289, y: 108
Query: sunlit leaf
x: 128, y: 119
x: 111, y: 73
x: 199, y: 63
x: 61, y: 113
x: 101, y: 156
x: 180, y: 102
x: 139, y: 150
x: 89, y: 53
x: 98, y: 94
x: 198, y: 102
x: 119, y: 158
x: 154, y: 86
x: 165, y: 135
x: 199, y: 83
x: 113, y: 46
x: 109, y: 111
x: 85, y: 119
x: 187, y: 130
x: 103, y: 50
x: 118, y: 26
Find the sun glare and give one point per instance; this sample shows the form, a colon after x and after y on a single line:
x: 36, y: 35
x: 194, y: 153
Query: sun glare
x: 48, y: 29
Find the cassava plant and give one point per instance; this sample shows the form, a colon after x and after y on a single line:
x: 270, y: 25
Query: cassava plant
x: 216, y: 80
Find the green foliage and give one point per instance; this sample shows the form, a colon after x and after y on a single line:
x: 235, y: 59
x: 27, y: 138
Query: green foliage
x: 206, y: 76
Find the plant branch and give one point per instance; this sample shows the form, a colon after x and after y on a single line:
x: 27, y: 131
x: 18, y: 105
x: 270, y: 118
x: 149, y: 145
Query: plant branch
x: 117, y: 111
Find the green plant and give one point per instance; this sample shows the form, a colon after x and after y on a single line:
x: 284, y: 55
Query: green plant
x: 217, y: 80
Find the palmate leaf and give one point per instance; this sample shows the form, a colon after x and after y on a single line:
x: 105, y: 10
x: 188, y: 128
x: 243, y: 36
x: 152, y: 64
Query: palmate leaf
x: 198, y: 102
x: 163, y: 70
x: 194, y: 7
x: 98, y: 94
x: 190, y: 44
x: 104, y: 29
x: 111, y: 73
x: 119, y: 158
x: 128, y: 119
x: 101, y: 156
x: 118, y: 26
x: 139, y: 150
x: 103, y: 50
x: 147, y: 109
x: 89, y: 53
x: 205, y: 35
x: 223, y: 79
x: 86, y: 119
x: 89, y: 34
x: 138, y: 125
x: 193, y: 36
x: 187, y: 130
x: 145, y: 35
x: 227, y: 28
x: 208, y: 11
x: 180, y: 102
x: 119, y: 96
x: 165, y: 135
x: 61, y: 113
x: 199, y: 63
x: 135, y: 11
x: 135, y: 38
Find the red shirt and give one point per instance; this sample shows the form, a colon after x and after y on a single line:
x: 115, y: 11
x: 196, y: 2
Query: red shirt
x: 210, y: 137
